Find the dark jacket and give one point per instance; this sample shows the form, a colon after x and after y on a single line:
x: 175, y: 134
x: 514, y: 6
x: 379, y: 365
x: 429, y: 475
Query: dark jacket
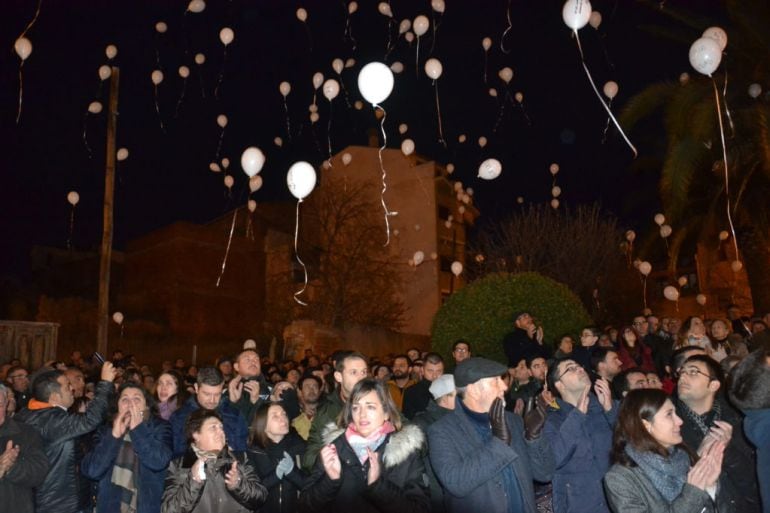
x: 401, y: 488
x: 65, y: 490
x: 518, y: 345
x: 326, y: 413
x: 423, y: 420
x: 183, y: 494
x: 642, y: 357
x: 244, y: 404
x: 583, y: 354
x: 151, y: 441
x: 471, y: 471
x: 416, y: 398
x: 756, y: 425
x: 581, y: 446
x: 630, y: 491
x: 17, y: 487
x: 738, y: 488
x: 236, y: 431
x: 282, y: 494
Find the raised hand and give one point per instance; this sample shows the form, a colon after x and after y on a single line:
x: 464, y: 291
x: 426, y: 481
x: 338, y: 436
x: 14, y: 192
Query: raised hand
x: 582, y: 403
x: 331, y: 462
x: 603, y: 393
x: 374, y: 466
x: 234, y: 389
x: 120, y: 424
x: 497, y: 419
x: 8, y: 458
x: 137, y: 416
x: 252, y: 387
x: 108, y: 372
x: 233, y: 477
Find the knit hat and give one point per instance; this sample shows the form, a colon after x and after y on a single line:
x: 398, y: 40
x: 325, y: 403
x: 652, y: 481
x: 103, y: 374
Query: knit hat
x: 442, y: 385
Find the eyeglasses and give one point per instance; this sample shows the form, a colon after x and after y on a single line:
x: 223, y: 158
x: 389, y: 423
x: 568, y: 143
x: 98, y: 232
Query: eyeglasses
x: 567, y: 369
x: 461, y: 350
x: 17, y: 376
x: 692, y: 372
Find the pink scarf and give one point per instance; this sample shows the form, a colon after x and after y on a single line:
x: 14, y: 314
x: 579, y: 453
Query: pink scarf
x: 361, y: 443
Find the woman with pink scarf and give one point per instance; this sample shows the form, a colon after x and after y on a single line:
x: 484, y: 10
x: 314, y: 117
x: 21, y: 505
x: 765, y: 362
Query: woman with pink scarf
x: 370, y: 463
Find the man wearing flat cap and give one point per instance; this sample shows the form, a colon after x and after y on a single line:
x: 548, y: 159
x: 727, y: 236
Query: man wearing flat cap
x: 485, y: 457
x: 525, y: 341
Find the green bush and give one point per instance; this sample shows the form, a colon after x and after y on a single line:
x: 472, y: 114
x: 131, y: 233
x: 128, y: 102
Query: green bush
x: 481, y: 312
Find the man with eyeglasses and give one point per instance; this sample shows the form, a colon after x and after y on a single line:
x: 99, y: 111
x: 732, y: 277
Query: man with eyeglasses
x: 579, y: 430
x: 708, y: 417
x: 461, y: 350
x: 18, y: 378
x: 582, y: 353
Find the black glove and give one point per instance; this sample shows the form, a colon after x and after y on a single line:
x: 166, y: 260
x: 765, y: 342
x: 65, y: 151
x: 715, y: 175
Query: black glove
x: 534, y: 420
x: 497, y: 419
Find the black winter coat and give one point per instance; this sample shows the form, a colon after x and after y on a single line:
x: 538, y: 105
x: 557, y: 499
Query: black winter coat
x: 401, y: 488
x: 282, y: 494
x: 17, y: 486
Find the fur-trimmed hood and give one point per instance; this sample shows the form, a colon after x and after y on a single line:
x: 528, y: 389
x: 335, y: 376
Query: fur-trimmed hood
x: 400, y: 445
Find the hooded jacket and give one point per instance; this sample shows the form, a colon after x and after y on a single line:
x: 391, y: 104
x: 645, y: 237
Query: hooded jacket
x: 401, y: 488
x: 65, y: 490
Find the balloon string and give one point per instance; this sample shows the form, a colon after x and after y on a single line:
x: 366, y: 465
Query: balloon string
x: 505, y: 33
x: 309, y: 36
x: 417, y: 59
x: 157, y: 110
x: 438, y: 111
x: 21, y: 91
x: 389, y: 47
x: 591, y: 80
x: 200, y: 77
x: 221, y: 73
x: 435, y: 30
x: 500, y: 114
x: 181, y: 98
x: 34, y: 19
x: 388, y: 213
x: 219, y: 145
x: 329, y: 134
x: 72, y: 227
x: 607, y: 127
x: 296, y: 254
x: 348, y: 34
x: 288, y: 122
x: 227, y: 250
x: 485, y: 66
x: 727, y: 109
x: 727, y: 176
x: 644, y: 292
x: 524, y: 113
x: 85, y: 135
x: 344, y: 90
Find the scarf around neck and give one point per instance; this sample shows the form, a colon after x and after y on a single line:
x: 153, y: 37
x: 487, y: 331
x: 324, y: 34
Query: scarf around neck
x: 668, y: 475
x: 124, y: 473
x: 359, y: 443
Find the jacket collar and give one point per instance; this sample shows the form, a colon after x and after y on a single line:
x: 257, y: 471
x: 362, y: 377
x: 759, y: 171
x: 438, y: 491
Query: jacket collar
x: 399, y: 446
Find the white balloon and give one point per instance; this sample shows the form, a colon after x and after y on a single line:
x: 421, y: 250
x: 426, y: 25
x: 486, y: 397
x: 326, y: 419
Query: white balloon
x: 122, y: 154
x: 73, y: 198
x: 554, y: 203
x: 404, y: 26
x: 252, y: 205
x: 705, y: 55
x: 433, y: 255
x: 458, y: 186
x: 554, y: 168
x: 701, y: 299
x: 409, y: 36
x: 302, y: 15
x: 301, y: 179
x: 352, y: 7
x: 576, y: 13
x: 375, y: 82
x: 402, y: 128
x: 595, y: 19
x: 94, y: 107
x: 105, y: 72
x: 486, y: 43
x: 665, y: 231
x: 358, y: 105
x: 196, y: 6
x: 161, y: 27
x: 493, y: 92
x: 450, y: 168
x: 337, y: 65
x: 671, y: 293
x: 418, y: 257
x: 284, y: 88
x: 226, y: 35
x: 117, y: 317
x: 724, y: 235
x: 555, y: 191
x: 717, y: 34
x: 438, y: 5
x: 111, y: 51
x: 684, y: 78
x: 331, y: 89
x: 318, y: 79
x: 184, y: 71
x: 433, y: 68
x: 736, y: 265
x: 659, y: 219
x: 682, y: 281
x: 457, y: 268
x: 448, y: 223
x: 519, y: 96
x: 278, y: 141
x: 225, y: 162
x: 611, y: 89
x: 505, y: 74
x: 645, y: 268
x: 407, y: 147
x: 347, y: 158
x: 630, y: 235
x: 482, y: 141
x: 520, y: 200
x: 314, y: 117
x: 23, y: 48
x: 350, y: 62
x: 255, y: 183
x: 385, y: 10
x: 420, y: 25
x: 214, y: 168
x: 222, y: 120
x: 755, y: 90
x: 462, y: 138
x: 157, y: 77
x: 490, y: 169
x: 397, y: 67
x: 252, y: 160
x: 229, y: 181
x: 200, y: 58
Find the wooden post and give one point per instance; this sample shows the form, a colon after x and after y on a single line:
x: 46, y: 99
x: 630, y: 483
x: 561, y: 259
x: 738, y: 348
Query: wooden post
x: 103, y: 314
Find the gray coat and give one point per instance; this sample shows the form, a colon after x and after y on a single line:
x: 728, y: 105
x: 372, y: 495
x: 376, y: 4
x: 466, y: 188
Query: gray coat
x: 630, y: 491
x: 471, y: 471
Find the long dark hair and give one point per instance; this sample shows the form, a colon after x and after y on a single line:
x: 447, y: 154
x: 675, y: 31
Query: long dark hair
x: 638, y: 405
x: 151, y: 406
x: 362, y: 388
x: 257, y: 434
x: 181, y: 388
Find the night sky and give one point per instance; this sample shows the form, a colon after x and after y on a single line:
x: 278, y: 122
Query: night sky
x: 166, y: 177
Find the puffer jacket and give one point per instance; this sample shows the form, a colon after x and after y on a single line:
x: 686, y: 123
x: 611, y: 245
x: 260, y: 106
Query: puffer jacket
x: 151, y: 441
x: 401, y: 488
x: 282, y: 494
x: 65, y: 490
x: 183, y: 494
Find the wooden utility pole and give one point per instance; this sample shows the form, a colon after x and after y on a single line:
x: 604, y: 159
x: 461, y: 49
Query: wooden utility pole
x: 103, y: 314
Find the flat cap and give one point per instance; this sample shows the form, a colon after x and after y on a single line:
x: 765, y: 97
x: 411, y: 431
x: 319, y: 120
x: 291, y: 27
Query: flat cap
x: 473, y: 369
x: 442, y: 385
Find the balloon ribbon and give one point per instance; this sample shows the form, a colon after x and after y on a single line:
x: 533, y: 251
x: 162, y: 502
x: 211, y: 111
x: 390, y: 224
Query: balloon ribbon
x: 227, y: 250
x: 296, y: 254
x: 727, y: 176
x: 388, y: 213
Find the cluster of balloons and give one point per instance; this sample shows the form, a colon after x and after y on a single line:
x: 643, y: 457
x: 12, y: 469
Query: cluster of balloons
x: 706, y: 52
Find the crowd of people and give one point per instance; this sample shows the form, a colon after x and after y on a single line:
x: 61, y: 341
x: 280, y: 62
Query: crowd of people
x: 659, y: 415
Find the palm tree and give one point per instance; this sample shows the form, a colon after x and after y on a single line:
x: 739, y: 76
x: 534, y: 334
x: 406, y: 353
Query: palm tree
x: 692, y: 184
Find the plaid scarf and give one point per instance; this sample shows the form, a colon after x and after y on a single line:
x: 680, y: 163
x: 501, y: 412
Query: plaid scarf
x: 124, y: 474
